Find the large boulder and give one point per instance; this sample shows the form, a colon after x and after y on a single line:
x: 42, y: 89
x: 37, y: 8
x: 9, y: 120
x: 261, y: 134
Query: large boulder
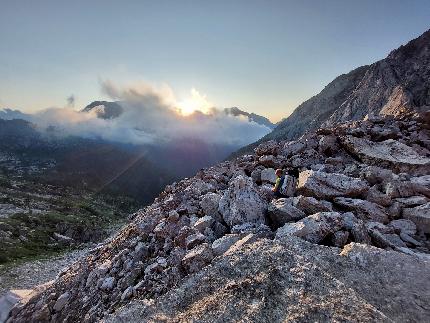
x: 313, y: 228
x: 311, y: 205
x: 388, y: 153
x: 420, y: 215
x: 281, y: 211
x: 327, y: 186
x: 209, y: 204
x: 364, y: 209
x: 241, y: 203
x: 268, y: 176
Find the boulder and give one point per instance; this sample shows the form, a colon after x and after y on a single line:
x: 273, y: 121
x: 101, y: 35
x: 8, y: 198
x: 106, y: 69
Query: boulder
x: 203, y: 223
x: 340, y: 238
x: 328, y: 145
x: 412, y: 201
x: 311, y: 205
x: 241, y: 203
x: 209, y: 204
x: 268, y: 176
x: 375, y: 175
x: 420, y: 215
x: 61, y: 301
x: 364, y: 209
x: 389, y: 153
x: 313, y: 228
x: 258, y: 229
x: 197, y: 258
x: 327, y: 186
x: 292, y: 148
x: 376, y: 196
x: 267, y: 161
x: 404, y: 225
x: 267, y: 148
x: 386, y: 240
x: 193, y: 240
x: 281, y: 211
x: 108, y: 283
x: 222, y: 244
x: 256, y: 174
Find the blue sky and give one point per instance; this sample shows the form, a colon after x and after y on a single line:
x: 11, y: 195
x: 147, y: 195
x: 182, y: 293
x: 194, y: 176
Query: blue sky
x: 263, y: 56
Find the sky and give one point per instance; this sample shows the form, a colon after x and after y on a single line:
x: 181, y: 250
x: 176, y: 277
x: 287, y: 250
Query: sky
x: 262, y: 56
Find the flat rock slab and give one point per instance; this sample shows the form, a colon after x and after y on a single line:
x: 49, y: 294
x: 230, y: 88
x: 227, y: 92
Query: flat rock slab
x: 329, y: 185
x: 389, y: 153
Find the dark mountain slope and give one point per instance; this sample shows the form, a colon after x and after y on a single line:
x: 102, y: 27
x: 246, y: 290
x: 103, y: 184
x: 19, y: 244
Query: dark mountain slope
x: 392, y: 86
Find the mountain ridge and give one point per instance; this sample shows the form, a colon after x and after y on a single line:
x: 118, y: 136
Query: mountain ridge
x: 403, y: 76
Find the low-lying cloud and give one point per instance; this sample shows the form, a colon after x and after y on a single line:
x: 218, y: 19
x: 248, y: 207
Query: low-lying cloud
x: 151, y: 115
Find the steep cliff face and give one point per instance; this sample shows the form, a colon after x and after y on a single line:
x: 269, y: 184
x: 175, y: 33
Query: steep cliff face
x: 217, y: 245
x: 392, y: 86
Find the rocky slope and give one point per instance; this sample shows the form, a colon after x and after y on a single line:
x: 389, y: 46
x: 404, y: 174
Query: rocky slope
x: 351, y: 244
x: 396, y: 84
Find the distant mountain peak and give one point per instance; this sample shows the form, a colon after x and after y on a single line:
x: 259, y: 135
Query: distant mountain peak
x: 252, y: 117
x: 105, y: 109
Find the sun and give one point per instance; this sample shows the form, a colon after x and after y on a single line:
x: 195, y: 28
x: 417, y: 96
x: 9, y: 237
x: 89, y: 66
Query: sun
x: 196, y: 102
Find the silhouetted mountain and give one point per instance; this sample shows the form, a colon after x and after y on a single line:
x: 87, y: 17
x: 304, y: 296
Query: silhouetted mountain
x: 105, y: 109
x: 251, y: 117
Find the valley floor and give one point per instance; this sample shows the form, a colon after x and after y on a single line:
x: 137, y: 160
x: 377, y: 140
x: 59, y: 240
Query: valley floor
x: 27, y: 275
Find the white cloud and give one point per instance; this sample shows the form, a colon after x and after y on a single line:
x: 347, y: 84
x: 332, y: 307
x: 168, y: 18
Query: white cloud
x: 151, y: 116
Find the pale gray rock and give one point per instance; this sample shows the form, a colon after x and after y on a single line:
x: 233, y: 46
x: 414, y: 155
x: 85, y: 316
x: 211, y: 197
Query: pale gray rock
x: 197, y: 258
x: 267, y: 161
x: 61, y: 301
x: 313, y: 228
x: 195, y: 239
x: 203, y: 223
x: 241, y: 203
x: 326, y: 186
x: 376, y: 196
x: 268, y: 175
x: 281, y: 211
x: 404, y: 225
x: 420, y: 215
x: 390, y: 153
x: 108, y: 283
x: 340, y: 238
x: 221, y: 245
x: 267, y: 148
x: 412, y: 201
x: 402, y: 282
x: 375, y: 175
x: 328, y: 145
x: 311, y: 205
x: 364, y: 209
x: 293, y: 147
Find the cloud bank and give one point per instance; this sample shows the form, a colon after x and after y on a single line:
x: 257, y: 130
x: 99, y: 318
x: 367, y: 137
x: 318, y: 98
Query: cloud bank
x: 151, y: 115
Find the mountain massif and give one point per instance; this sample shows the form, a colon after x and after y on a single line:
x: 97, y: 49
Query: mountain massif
x: 351, y: 243
x: 396, y: 84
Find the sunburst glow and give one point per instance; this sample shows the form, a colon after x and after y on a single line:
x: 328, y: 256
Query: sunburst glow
x: 196, y: 102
